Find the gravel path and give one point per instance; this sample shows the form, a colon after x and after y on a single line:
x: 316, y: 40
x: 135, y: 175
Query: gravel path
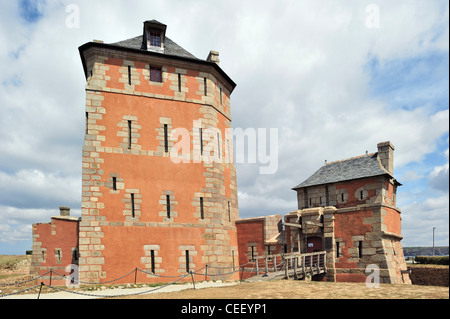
x: 120, y: 291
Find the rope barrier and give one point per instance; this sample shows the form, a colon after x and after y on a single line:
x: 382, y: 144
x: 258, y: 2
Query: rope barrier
x: 236, y: 269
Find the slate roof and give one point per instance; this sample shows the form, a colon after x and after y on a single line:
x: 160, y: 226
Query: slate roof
x: 171, y: 50
x: 170, y: 47
x: 344, y: 170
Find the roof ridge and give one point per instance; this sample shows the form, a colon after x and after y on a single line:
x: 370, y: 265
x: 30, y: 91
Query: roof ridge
x: 352, y: 158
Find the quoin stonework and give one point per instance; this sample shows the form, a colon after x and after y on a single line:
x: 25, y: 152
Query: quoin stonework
x: 149, y: 203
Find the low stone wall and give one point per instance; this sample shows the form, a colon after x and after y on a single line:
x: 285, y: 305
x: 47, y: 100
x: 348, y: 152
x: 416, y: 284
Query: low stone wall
x: 429, y: 276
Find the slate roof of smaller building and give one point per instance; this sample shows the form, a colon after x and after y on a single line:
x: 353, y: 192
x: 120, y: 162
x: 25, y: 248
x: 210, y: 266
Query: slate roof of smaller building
x: 344, y: 170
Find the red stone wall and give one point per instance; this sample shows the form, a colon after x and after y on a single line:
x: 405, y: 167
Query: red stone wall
x: 113, y: 242
x: 51, y: 241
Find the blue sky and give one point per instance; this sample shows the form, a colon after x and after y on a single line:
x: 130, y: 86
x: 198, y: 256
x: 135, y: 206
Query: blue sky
x: 331, y: 84
x: 31, y: 10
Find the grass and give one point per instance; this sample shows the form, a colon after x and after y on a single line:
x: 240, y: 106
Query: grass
x: 8, y: 261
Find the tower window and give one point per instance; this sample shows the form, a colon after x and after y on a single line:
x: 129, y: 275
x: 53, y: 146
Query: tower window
x: 133, y: 212
x: 201, y: 141
x: 360, y: 249
x: 218, y: 144
x: 220, y: 96
x: 152, y: 255
x: 166, y: 139
x: 87, y: 120
x: 179, y: 82
x: 205, y: 86
x: 187, y: 260
x: 337, y: 249
x: 155, y: 39
x: 229, y: 212
x: 361, y: 195
x: 168, y: 205
x: 129, y: 75
x: 114, y: 183
x: 129, y: 134
x: 155, y: 74
x: 202, y: 211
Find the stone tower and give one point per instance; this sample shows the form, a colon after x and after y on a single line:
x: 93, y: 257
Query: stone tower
x: 159, y: 185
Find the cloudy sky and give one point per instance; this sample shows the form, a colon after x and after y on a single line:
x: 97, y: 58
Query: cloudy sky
x: 334, y: 77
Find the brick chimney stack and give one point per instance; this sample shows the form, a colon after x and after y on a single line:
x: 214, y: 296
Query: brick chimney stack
x: 386, y: 156
x: 64, y: 211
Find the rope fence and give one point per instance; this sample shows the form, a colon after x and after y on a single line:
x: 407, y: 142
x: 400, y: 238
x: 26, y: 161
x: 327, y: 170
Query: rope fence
x: 180, y: 277
x: 250, y: 267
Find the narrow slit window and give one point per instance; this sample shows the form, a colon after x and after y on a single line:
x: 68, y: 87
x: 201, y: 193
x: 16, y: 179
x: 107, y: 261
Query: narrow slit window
x: 360, y: 244
x: 179, y: 82
x: 74, y: 255
x: 202, y: 211
x: 114, y: 183
x: 87, y: 122
x: 152, y: 256
x: 232, y: 258
x: 205, y: 84
x: 218, y: 143
x: 201, y: 141
x: 129, y: 75
x: 220, y: 96
x: 129, y: 134
x: 187, y: 260
x: 342, y: 197
x: 337, y: 249
x: 361, y: 195
x: 310, y: 202
x: 133, y: 212
x: 166, y: 138
x: 229, y: 212
x: 168, y: 205
x: 253, y: 252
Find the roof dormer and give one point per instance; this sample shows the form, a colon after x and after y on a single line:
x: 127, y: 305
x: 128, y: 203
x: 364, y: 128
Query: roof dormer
x: 154, y: 36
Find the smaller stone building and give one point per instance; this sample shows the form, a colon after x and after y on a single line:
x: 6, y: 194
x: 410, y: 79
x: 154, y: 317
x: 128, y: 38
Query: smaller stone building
x: 259, y: 236
x: 346, y: 208
x: 55, y: 246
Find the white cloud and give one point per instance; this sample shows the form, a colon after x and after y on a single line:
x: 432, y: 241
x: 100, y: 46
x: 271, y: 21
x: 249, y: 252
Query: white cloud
x: 34, y: 188
x: 300, y: 66
x: 432, y: 212
x: 439, y: 177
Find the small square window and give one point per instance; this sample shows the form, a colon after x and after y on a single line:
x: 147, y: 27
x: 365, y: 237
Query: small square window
x: 155, y: 74
x: 155, y: 39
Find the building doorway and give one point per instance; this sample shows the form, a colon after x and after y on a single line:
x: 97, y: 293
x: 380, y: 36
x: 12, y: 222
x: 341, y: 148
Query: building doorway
x: 314, y: 244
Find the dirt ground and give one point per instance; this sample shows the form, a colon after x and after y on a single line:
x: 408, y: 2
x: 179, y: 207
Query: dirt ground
x: 16, y: 269
x: 290, y: 289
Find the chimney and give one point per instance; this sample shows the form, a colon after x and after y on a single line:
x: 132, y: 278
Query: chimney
x: 64, y: 211
x: 386, y: 156
x: 213, y: 56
